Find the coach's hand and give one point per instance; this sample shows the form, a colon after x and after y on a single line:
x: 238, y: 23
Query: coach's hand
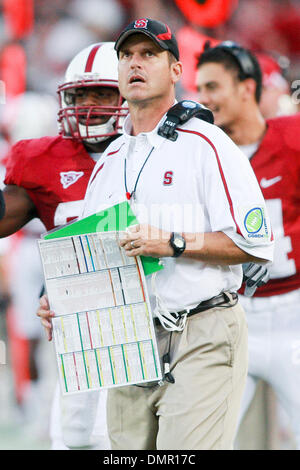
x: 46, y: 315
x: 146, y: 240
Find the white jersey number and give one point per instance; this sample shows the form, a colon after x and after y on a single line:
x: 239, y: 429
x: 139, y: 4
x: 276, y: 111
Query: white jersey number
x: 66, y: 211
x: 282, y: 266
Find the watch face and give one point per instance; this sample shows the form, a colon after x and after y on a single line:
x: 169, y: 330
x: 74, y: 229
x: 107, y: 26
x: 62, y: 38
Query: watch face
x: 178, y: 242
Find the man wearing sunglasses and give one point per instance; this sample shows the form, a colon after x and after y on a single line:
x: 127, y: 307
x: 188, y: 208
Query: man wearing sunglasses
x: 229, y: 82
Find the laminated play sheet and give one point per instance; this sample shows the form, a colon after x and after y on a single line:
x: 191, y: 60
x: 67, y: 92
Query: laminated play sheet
x: 103, y: 329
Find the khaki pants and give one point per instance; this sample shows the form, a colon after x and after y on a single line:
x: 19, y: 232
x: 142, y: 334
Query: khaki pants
x: 200, y: 410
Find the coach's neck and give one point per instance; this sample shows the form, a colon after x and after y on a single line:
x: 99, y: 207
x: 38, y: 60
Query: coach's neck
x: 145, y: 115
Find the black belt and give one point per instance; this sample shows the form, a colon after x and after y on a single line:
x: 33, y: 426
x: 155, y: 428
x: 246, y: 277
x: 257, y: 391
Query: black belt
x: 220, y: 299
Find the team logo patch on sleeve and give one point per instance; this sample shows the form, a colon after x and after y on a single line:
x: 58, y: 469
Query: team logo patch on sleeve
x: 255, y: 223
x: 67, y: 178
x: 254, y: 220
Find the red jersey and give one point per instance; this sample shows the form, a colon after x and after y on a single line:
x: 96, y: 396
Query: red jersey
x: 55, y: 173
x: 276, y: 164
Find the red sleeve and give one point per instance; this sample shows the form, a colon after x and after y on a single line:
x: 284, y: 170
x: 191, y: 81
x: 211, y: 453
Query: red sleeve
x: 292, y: 128
x: 25, y: 162
x: 14, y: 163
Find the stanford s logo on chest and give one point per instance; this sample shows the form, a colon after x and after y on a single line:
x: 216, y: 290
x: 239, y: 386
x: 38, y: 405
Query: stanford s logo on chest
x: 69, y: 177
x: 168, y: 178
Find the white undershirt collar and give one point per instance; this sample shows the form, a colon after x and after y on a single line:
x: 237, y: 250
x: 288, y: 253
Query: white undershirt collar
x: 250, y: 149
x: 153, y: 137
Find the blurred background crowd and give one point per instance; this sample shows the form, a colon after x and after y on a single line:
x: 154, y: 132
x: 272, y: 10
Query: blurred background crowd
x: 61, y: 28
x: 37, y: 41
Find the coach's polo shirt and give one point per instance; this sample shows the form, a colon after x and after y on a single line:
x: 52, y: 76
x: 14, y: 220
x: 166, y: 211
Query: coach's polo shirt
x: 201, y: 183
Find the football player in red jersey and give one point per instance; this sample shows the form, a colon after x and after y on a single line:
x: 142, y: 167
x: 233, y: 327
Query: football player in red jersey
x: 229, y: 83
x: 47, y: 178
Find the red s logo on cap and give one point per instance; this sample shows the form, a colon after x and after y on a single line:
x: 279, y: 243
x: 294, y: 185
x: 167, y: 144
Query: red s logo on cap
x: 142, y: 23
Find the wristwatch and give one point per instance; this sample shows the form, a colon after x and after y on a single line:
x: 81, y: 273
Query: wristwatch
x: 178, y: 244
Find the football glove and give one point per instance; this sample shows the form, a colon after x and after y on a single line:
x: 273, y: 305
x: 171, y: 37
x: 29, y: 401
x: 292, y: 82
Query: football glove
x: 254, y: 276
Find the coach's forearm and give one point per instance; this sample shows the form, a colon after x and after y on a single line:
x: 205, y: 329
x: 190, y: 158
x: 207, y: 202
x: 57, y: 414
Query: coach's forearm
x: 212, y: 247
x: 216, y: 248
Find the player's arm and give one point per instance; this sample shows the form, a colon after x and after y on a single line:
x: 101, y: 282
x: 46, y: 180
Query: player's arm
x: 16, y: 209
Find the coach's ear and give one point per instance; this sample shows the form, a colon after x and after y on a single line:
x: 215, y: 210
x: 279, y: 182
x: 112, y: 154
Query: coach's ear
x: 176, y: 71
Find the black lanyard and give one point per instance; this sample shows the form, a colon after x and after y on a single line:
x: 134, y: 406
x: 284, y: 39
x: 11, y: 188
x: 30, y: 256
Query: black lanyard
x: 132, y: 194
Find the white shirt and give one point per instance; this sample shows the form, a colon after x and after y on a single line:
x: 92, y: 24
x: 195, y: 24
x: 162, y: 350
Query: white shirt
x: 249, y: 150
x: 200, y: 183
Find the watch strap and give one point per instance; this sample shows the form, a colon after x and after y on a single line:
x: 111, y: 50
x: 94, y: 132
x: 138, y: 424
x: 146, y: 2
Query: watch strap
x: 178, y: 244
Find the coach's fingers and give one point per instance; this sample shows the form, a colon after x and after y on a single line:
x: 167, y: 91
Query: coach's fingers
x: 46, y: 316
x: 44, y: 302
x: 47, y: 327
x: 44, y: 308
x: 134, y: 228
x: 45, y: 312
x: 132, y: 244
x: 134, y: 252
x: 127, y: 238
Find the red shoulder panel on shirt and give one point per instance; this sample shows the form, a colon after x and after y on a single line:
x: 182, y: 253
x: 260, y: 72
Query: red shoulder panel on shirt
x: 221, y: 174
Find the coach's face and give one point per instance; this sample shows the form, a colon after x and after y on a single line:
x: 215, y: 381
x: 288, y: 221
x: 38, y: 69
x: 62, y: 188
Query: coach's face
x: 146, y: 72
x: 221, y: 91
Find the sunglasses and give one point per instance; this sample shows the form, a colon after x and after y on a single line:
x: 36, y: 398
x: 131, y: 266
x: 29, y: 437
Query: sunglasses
x: 241, y: 56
